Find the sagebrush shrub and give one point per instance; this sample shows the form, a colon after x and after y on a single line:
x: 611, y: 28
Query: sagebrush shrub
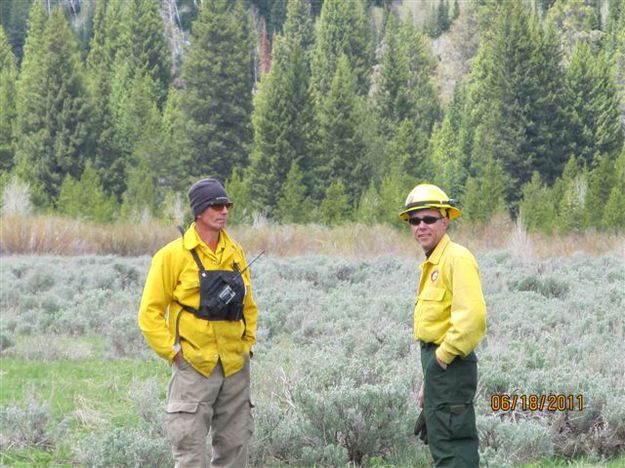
x: 336, y: 369
x: 26, y: 426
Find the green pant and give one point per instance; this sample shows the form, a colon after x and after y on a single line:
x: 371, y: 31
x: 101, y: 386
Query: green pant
x: 449, y: 411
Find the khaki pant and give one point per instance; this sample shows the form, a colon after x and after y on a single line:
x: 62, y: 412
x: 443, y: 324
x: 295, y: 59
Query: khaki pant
x: 197, y: 404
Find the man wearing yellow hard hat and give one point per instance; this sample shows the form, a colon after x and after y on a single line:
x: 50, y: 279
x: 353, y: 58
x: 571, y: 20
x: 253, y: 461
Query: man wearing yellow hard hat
x: 449, y: 323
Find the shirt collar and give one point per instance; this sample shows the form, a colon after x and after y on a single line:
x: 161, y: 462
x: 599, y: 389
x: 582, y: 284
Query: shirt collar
x: 435, y: 256
x: 192, y: 239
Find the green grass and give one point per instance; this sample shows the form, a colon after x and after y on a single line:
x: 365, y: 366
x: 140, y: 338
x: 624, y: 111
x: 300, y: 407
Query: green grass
x: 618, y: 462
x: 88, y: 395
x: 68, y: 386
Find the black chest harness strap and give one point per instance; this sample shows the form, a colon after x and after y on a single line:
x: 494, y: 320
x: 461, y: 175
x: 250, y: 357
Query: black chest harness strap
x: 221, y: 295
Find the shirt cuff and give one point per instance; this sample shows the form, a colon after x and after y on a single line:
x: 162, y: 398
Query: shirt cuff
x: 444, y: 356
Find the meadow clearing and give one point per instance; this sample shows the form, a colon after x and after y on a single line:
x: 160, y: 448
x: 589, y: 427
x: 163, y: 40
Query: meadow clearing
x: 335, y: 369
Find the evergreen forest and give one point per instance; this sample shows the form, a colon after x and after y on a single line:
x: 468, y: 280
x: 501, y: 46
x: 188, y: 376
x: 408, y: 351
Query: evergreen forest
x: 315, y: 111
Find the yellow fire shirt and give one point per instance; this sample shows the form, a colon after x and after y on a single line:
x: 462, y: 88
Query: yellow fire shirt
x: 174, y: 277
x: 450, y: 309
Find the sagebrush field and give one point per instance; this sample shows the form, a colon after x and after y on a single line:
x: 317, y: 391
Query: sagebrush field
x: 335, y: 369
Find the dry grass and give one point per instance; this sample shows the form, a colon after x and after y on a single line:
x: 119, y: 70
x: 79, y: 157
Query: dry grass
x: 46, y: 235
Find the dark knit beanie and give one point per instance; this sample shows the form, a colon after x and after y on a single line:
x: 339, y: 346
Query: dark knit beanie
x: 204, y: 193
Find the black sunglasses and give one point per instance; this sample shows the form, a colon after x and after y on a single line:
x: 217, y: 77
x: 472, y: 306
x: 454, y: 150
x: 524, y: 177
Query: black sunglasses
x: 220, y: 206
x: 426, y: 219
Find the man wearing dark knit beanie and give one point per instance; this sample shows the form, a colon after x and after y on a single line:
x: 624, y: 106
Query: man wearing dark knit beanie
x: 198, y: 313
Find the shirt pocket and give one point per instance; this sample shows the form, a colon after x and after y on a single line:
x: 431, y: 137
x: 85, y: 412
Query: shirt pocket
x: 430, y: 303
x: 188, y: 292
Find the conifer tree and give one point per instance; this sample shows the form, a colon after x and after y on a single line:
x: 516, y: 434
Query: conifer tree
x: 335, y: 207
x: 410, y: 150
x: 614, y: 27
x: 13, y: 19
x: 298, y: 27
x: 548, y: 128
x: 600, y: 183
x: 239, y: 192
x: 85, y: 198
x: 569, y: 197
x: 597, y: 128
x: 484, y: 194
x: 31, y: 78
x: 293, y: 205
x: 342, y: 148
x: 343, y: 28
x: 8, y: 76
x: 403, y: 88
x: 140, y: 200
x: 369, y: 210
x: 537, y: 209
x: 108, y: 158
x: 515, y: 101
x: 450, y: 161
x: 614, y: 214
x: 394, y: 186
x: 143, y: 44
x: 283, y: 127
x: 216, y: 100
x: 53, y: 135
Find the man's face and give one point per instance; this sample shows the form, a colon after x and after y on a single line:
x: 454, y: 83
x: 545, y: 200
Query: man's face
x: 214, y: 218
x: 428, y: 235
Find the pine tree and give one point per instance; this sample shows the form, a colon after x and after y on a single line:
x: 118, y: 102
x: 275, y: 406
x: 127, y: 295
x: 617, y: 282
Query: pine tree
x: 143, y: 45
x: 53, y: 136
x: 293, y: 204
x: 216, y: 100
x: 108, y: 157
x: 450, y: 161
x: 600, y: 183
x: 597, y: 128
x: 403, y: 86
x: 239, y: 192
x: 484, y: 195
x: 369, y: 210
x: 335, y: 207
x: 85, y: 198
x: 8, y: 76
x: 569, y: 195
x: 614, y: 214
x: 298, y: 27
x: 537, y: 208
x: 343, y: 28
x: 31, y: 78
x: 283, y: 126
x: 548, y: 128
x: 393, y: 189
x: 515, y: 102
x: 140, y: 200
x: 342, y: 148
x: 410, y: 149
x: 13, y: 19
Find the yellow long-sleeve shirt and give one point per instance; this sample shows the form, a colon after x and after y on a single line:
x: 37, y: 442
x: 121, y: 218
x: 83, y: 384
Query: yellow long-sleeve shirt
x: 450, y: 309
x: 174, y: 278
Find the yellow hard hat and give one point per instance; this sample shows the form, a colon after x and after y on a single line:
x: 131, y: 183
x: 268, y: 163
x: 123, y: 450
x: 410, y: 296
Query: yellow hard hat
x: 425, y: 196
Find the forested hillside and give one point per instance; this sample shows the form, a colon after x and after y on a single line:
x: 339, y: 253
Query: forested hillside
x: 315, y: 111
